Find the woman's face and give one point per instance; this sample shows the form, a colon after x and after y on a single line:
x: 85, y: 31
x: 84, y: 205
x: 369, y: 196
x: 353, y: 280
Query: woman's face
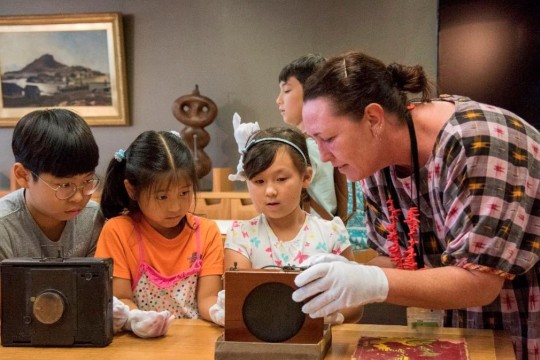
x: 348, y: 145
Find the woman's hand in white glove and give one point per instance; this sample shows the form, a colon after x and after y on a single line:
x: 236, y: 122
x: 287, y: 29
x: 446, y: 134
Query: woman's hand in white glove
x: 337, y: 285
x: 147, y: 324
x: 120, y: 314
x: 217, y: 311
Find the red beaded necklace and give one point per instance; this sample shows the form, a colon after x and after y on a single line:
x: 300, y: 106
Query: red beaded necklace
x: 412, y: 258
x: 407, y: 260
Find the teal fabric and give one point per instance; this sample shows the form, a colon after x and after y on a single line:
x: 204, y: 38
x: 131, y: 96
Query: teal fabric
x: 356, y: 225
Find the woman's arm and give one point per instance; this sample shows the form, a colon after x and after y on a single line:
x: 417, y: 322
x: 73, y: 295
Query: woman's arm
x: 436, y: 288
x: 448, y: 287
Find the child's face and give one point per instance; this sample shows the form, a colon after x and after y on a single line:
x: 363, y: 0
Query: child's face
x: 166, y: 205
x: 290, y: 101
x: 43, y: 204
x: 276, y: 191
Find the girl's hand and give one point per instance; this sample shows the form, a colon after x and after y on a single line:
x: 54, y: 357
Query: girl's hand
x: 147, y: 324
x: 120, y: 315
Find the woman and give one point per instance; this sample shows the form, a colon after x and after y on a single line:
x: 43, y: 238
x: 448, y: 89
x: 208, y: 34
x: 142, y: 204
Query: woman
x: 465, y: 178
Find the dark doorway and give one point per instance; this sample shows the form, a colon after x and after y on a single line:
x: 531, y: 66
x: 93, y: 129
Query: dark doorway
x: 489, y: 50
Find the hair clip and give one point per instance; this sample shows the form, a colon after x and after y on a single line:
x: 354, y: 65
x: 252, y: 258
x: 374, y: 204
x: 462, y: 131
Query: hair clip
x: 345, y: 68
x: 174, y: 132
x: 410, y: 106
x: 120, y: 155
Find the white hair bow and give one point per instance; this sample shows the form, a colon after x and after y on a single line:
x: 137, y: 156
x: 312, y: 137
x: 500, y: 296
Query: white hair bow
x: 242, y: 132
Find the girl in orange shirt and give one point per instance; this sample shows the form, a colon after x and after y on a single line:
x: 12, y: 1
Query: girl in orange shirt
x: 167, y: 262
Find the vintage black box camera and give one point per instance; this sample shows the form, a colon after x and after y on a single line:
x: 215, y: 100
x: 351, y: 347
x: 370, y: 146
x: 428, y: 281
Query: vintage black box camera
x: 56, y: 302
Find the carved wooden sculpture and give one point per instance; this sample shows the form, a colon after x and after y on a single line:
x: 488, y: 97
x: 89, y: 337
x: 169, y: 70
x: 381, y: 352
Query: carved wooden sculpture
x: 196, y: 111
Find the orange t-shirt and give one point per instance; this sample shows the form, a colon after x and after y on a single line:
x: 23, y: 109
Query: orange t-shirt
x: 119, y: 241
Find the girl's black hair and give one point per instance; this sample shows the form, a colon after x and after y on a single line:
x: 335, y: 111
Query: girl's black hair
x: 260, y: 156
x: 153, y: 157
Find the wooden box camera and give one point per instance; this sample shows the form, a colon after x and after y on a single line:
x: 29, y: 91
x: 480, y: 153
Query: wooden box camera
x: 259, y: 308
x: 56, y: 302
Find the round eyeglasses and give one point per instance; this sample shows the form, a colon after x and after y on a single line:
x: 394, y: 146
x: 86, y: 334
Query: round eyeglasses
x: 67, y: 190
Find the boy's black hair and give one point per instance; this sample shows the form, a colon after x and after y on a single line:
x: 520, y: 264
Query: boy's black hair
x: 55, y: 141
x: 302, y: 68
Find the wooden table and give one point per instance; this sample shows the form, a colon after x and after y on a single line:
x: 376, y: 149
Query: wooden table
x: 195, y: 339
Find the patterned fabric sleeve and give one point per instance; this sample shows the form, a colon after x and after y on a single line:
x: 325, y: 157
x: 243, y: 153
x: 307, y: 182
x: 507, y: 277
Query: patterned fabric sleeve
x: 488, y: 191
x: 240, y: 236
x: 340, y: 236
x: 376, y: 218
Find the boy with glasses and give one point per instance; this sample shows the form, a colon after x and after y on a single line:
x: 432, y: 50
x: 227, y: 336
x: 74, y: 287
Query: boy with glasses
x: 51, y: 215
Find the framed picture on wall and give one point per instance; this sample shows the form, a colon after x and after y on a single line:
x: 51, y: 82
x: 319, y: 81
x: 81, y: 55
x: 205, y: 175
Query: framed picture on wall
x: 75, y: 61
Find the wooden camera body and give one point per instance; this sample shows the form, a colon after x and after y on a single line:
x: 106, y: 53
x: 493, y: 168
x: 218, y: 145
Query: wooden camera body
x: 259, y: 308
x: 56, y: 302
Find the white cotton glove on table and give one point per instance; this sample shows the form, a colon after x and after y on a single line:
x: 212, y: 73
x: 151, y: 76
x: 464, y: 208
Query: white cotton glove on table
x: 144, y: 324
x: 147, y: 324
x: 120, y: 315
x: 217, y: 311
x: 338, y: 284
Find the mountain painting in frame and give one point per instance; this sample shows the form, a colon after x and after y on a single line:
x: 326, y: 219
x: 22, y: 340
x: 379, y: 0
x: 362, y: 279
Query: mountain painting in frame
x: 74, y: 61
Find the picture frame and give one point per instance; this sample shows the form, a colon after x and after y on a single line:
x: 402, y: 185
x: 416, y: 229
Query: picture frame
x: 73, y: 61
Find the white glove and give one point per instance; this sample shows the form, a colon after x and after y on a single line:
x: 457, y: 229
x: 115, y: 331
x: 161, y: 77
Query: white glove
x: 337, y: 285
x: 120, y: 313
x: 147, y: 324
x: 242, y: 132
x: 217, y: 311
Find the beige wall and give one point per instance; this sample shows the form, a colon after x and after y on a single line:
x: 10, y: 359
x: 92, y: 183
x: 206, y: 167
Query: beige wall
x: 234, y: 50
